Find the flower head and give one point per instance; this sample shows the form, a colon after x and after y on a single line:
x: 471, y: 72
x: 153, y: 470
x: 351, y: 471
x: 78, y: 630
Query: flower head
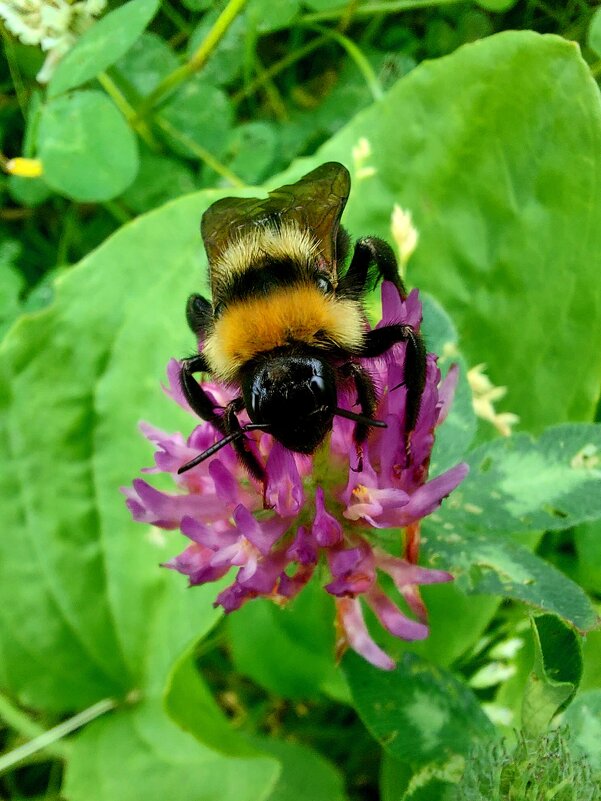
x: 55, y: 25
x: 322, y: 513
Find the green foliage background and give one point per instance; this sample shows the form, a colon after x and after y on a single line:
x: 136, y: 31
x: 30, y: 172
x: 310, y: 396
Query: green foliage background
x: 492, y: 138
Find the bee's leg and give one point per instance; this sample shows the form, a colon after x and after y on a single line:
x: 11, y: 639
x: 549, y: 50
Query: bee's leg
x: 246, y: 456
x: 195, y: 395
x: 198, y: 314
x: 366, y: 397
x: 380, y: 340
x: 373, y: 260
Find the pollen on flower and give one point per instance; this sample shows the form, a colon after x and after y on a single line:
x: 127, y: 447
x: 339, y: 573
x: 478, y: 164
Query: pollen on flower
x: 313, y: 512
x: 361, y: 152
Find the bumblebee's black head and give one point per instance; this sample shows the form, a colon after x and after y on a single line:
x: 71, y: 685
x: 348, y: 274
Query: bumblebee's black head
x: 295, y: 395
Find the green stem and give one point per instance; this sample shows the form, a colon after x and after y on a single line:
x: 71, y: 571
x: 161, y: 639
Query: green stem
x: 355, y: 53
x: 273, y: 95
x: 199, y: 151
x: 117, y: 211
x: 278, y: 67
x: 45, y: 740
x: 197, y: 61
x: 368, y: 9
x: 176, y: 18
x: 15, y: 73
x: 133, y: 120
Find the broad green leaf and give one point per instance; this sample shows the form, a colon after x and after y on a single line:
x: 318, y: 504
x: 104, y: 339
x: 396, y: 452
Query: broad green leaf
x: 509, y: 217
x: 493, y: 565
x: 81, y: 592
x: 583, y: 719
x: 304, y: 774
x: 419, y: 713
x: 102, y: 44
x: 594, y: 32
x: 430, y: 782
x: 302, y: 636
x: 147, y: 62
x: 201, y: 112
x: 139, y: 753
x: 521, y: 484
x: 87, y: 149
x: 555, y: 675
x: 189, y: 703
x: 587, y: 539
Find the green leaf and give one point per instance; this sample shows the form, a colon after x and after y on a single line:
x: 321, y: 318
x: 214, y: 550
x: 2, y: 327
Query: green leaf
x: 190, y: 704
x: 490, y: 565
x: 302, y: 635
x: 88, y: 151
x: 267, y: 16
x: 102, y: 44
x: 583, y: 719
x: 159, y: 179
x: 139, y: 753
x: 250, y: 152
x: 521, y: 484
x: 419, y: 713
x: 497, y: 5
x: 555, y: 675
x: 587, y: 539
x: 202, y: 113
x: 81, y: 593
x: 506, y: 237
x: 30, y: 191
x: 594, y: 33
x: 11, y: 283
x: 147, y: 62
x: 305, y: 773
x: 226, y: 61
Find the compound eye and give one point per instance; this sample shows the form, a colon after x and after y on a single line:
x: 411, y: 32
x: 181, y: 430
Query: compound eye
x: 218, y: 310
x: 324, y: 284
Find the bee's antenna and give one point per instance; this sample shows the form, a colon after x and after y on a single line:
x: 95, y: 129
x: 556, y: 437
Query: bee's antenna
x: 221, y: 444
x: 359, y: 418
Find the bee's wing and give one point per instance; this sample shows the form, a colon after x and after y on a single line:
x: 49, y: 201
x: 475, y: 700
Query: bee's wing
x: 315, y: 202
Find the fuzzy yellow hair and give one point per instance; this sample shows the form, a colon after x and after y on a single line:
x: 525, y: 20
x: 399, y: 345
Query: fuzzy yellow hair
x: 300, y: 313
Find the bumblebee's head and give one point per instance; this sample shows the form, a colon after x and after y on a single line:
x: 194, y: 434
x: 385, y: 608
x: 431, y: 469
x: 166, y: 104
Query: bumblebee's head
x: 295, y: 396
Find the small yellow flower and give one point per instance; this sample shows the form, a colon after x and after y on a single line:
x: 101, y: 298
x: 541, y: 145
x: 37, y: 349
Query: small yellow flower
x: 485, y: 395
x: 404, y: 233
x: 361, y: 152
x: 24, y: 168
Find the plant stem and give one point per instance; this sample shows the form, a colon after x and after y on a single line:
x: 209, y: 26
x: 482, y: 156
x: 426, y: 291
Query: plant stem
x: 355, y: 53
x: 199, y: 151
x: 15, y: 73
x: 198, y: 59
x: 278, y: 67
x: 44, y: 740
x: 382, y: 7
x: 176, y: 18
x: 133, y: 120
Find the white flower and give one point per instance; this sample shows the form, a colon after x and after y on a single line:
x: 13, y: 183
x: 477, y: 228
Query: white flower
x: 54, y: 25
x: 361, y: 152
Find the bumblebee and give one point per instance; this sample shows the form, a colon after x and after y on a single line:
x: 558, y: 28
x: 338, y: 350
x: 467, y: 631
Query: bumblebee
x: 286, y: 327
